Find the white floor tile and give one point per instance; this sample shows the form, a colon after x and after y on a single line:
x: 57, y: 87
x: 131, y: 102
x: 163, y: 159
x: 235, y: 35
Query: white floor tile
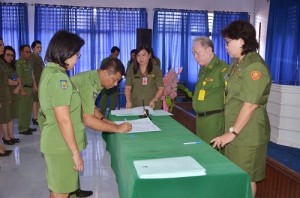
x: 22, y: 174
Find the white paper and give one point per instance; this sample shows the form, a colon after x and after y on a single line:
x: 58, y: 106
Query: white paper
x: 132, y: 112
x: 141, y: 125
x: 173, y: 167
x: 161, y: 112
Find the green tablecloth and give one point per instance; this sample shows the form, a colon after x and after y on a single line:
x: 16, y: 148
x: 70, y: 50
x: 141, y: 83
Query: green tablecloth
x: 223, y: 179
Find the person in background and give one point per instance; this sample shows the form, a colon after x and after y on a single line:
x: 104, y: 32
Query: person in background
x: 247, y: 124
x: 38, y: 66
x: 3, y: 151
x: 132, y: 57
x: 144, y: 83
x: 113, y: 92
x: 25, y: 73
x: 89, y: 84
x: 155, y: 60
x: 9, y: 58
x: 208, y: 98
x: 63, y: 133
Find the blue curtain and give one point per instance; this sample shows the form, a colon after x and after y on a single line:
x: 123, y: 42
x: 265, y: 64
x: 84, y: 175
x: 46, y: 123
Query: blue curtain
x: 173, y: 33
x: 220, y: 21
x: 101, y: 28
x: 283, y: 39
x: 14, y: 25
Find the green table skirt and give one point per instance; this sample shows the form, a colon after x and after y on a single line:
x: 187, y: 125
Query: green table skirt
x: 223, y: 179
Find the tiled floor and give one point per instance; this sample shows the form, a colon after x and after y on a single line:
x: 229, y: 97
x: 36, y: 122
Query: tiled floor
x: 22, y: 174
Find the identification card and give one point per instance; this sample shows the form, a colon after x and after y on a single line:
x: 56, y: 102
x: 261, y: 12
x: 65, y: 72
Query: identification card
x: 201, y: 95
x: 145, y: 81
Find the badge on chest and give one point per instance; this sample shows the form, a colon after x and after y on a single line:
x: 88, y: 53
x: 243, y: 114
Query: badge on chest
x: 145, y: 80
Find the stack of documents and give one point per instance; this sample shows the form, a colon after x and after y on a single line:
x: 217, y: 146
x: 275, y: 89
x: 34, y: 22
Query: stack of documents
x: 173, y: 167
x: 131, y: 112
x: 141, y: 125
x: 139, y: 111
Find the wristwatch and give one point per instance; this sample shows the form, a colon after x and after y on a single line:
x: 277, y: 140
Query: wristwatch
x: 231, y: 130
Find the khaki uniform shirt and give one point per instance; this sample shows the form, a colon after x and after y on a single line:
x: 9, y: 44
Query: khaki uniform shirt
x: 24, y: 70
x: 4, y: 87
x: 140, y: 92
x: 212, y: 80
x: 56, y: 90
x: 38, y: 66
x: 249, y: 81
x: 89, y: 86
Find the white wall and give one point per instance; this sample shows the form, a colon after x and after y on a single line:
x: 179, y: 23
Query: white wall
x: 261, y: 10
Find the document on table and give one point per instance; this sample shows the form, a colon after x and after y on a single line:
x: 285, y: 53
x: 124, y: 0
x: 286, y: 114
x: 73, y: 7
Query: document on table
x: 173, y: 167
x: 132, y: 112
x: 161, y: 112
x: 141, y: 125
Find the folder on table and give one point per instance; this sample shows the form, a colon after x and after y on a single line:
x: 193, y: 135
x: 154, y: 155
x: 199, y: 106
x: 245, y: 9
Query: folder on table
x: 173, y: 167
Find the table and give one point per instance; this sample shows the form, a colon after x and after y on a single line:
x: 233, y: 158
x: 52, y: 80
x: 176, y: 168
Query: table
x: 223, y: 179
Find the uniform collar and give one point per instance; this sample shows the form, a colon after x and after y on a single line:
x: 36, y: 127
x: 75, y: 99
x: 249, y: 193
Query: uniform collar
x: 212, y: 63
x: 57, y: 66
x: 97, y: 81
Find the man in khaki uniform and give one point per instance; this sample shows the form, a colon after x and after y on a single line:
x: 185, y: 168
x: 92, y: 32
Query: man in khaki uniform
x: 24, y: 70
x: 208, y: 98
x: 113, y: 92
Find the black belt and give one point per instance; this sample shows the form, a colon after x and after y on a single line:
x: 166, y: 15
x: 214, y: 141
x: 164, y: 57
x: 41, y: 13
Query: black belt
x: 29, y: 86
x: 207, y: 113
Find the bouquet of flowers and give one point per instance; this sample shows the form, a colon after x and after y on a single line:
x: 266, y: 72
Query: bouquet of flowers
x: 170, y: 89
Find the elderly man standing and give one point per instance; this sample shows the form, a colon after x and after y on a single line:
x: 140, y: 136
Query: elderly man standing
x: 208, y: 98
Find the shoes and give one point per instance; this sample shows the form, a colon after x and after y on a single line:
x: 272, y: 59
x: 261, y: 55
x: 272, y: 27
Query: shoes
x: 31, y: 129
x: 34, y: 121
x: 15, y: 140
x: 8, y: 151
x: 8, y: 142
x: 83, y: 193
x: 4, y: 154
x: 27, y: 132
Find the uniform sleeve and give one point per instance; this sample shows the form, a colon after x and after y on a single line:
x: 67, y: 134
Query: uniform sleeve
x: 19, y: 70
x: 87, y: 99
x: 129, y: 76
x: 255, y: 79
x: 158, y: 77
x: 60, y: 90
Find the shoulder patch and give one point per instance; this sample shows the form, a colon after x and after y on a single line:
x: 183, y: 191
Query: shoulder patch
x: 255, y: 75
x: 63, y: 84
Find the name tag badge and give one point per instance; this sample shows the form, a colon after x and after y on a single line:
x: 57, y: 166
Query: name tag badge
x: 145, y: 81
x: 201, y: 95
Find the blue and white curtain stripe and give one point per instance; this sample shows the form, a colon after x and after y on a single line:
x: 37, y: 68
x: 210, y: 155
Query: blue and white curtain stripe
x: 283, y: 39
x: 220, y: 21
x: 14, y: 25
x: 101, y: 28
x: 173, y: 33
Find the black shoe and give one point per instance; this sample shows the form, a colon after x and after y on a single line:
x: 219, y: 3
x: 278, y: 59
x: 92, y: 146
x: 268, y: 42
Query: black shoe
x: 4, y: 154
x: 8, y: 142
x: 15, y: 140
x: 31, y: 129
x: 83, y: 193
x: 8, y: 151
x: 28, y: 132
x: 34, y: 121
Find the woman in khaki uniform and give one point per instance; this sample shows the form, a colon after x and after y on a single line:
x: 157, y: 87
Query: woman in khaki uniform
x: 63, y: 132
x: 144, y: 83
x: 9, y: 58
x: 38, y: 66
x: 246, y: 119
x: 3, y: 151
